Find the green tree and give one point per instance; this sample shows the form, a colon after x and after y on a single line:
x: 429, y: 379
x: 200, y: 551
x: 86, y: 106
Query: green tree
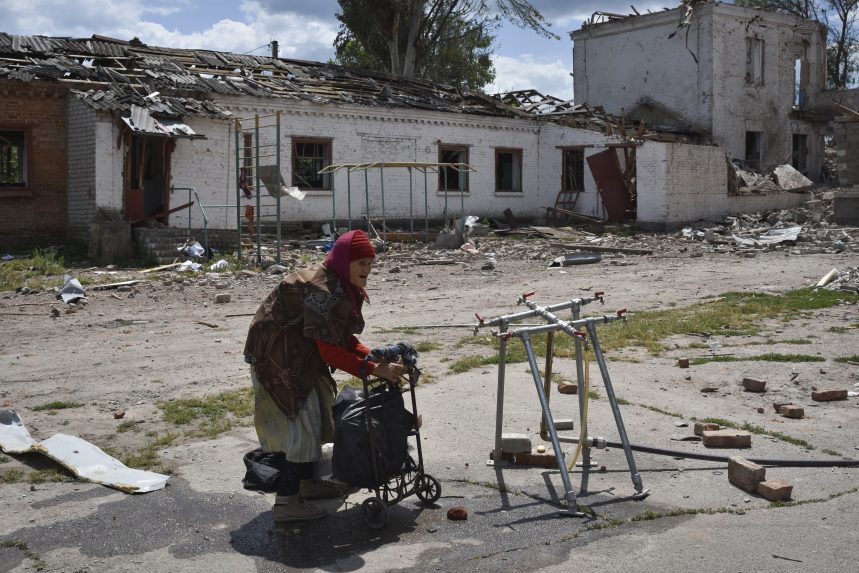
x: 448, y: 41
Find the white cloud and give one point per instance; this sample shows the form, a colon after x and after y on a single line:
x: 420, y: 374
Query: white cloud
x: 526, y: 71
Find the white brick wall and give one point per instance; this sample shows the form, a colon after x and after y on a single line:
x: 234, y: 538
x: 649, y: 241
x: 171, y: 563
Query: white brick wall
x: 360, y: 135
x: 619, y: 64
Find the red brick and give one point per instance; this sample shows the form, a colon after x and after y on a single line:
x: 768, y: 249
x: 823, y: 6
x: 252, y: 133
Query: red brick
x: 828, y: 395
x: 754, y: 385
x: 701, y: 427
x: 727, y: 439
x: 792, y: 411
x: 775, y: 489
x: 745, y: 474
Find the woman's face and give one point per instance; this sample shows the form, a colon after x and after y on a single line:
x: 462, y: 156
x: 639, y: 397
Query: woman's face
x: 359, y: 270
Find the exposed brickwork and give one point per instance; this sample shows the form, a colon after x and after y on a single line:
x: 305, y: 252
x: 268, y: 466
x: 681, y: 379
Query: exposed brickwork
x: 36, y: 215
x: 81, y: 201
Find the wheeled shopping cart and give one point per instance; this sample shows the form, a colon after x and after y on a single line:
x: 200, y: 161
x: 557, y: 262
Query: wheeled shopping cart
x: 376, y: 425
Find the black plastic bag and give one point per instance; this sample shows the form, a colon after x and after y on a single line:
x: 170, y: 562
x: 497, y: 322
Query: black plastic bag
x: 263, y: 470
x: 390, y: 423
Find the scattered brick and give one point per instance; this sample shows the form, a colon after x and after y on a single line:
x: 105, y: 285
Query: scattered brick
x: 754, y: 385
x: 727, y: 439
x: 222, y: 298
x: 119, y: 414
x: 701, y: 427
x: 457, y: 513
x: 777, y: 405
x: 775, y: 489
x: 547, y: 460
x: 515, y: 443
x: 745, y: 474
x: 792, y: 411
x: 567, y: 388
x: 828, y: 395
x: 683, y: 363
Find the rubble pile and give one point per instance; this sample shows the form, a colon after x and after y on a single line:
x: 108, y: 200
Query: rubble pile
x: 806, y: 230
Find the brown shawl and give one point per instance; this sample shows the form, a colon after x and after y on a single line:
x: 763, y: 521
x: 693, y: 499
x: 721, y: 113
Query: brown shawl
x: 307, y: 305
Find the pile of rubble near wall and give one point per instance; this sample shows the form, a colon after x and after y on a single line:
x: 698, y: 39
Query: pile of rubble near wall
x: 806, y: 230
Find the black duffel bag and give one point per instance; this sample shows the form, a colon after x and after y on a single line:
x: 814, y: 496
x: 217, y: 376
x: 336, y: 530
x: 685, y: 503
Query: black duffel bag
x: 390, y: 423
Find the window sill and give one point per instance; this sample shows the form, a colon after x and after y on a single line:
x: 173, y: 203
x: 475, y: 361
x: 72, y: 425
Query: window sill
x: 509, y: 193
x: 316, y: 192
x: 15, y: 192
x: 441, y: 193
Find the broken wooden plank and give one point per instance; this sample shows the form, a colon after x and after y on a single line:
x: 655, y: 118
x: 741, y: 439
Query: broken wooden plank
x: 161, y: 268
x: 626, y: 250
x: 113, y: 285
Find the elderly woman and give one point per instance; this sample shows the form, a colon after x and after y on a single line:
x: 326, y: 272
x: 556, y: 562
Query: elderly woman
x: 304, y: 330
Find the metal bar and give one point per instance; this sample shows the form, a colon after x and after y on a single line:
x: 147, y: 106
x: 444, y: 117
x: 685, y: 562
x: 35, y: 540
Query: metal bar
x: 382, y: 185
x: 256, y: 189
x: 529, y: 313
x: 426, y: 209
x: 238, y: 126
x: 609, y: 390
x: 569, y: 494
x: 582, y: 395
x: 367, y: 199
x: 497, y: 454
x: 568, y: 327
x: 349, y: 196
x: 277, y: 183
x: 411, y: 206
x: 547, y: 379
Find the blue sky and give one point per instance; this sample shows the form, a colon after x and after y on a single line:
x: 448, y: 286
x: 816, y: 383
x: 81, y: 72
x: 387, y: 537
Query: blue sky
x: 304, y: 30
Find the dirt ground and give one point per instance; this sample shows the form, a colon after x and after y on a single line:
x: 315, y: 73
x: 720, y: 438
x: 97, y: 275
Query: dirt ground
x: 167, y: 339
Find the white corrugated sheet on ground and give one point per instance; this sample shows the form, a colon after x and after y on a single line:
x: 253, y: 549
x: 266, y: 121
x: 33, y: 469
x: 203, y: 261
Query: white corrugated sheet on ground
x: 82, y: 458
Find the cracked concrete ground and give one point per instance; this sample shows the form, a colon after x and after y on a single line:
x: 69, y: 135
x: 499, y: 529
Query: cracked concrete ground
x: 130, y: 353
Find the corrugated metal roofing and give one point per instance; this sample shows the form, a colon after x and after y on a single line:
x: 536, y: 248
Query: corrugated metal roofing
x: 136, y: 68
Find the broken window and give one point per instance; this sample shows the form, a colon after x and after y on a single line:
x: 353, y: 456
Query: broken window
x: 508, y: 170
x: 309, y: 156
x: 755, y: 61
x: 754, y: 149
x: 573, y: 170
x: 13, y: 159
x: 800, y: 152
x: 451, y: 178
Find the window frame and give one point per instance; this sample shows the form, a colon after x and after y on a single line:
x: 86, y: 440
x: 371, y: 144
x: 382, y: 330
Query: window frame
x: 326, y: 179
x: 581, y: 169
x: 516, y: 153
x: 25, y: 188
x: 461, y: 176
x: 755, y: 61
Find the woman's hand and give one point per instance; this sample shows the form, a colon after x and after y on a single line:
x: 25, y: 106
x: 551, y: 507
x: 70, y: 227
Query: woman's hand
x: 390, y: 371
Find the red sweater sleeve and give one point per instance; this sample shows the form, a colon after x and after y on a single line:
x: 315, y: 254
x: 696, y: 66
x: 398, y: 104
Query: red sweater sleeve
x: 355, y: 347
x: 343, y: 359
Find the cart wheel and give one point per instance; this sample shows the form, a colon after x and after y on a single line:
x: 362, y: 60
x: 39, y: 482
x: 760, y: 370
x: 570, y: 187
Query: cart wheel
x: 375, y: 512
x: 427, y: 488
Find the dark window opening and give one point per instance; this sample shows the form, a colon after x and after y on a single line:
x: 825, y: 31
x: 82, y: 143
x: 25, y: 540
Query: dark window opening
x: 754, y: 149
x: 309, y: 157
x: 754, y: 61
x: 573, y: 170
x: 508, y: 170
x: 799, y: 158
x: 13, y: 159
x: 453, y: 178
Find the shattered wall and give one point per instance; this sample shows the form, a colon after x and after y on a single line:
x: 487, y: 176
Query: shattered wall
x: 846, y: 137
x: 730, y: 71
x: 35, y: 213
x: 678, y: 183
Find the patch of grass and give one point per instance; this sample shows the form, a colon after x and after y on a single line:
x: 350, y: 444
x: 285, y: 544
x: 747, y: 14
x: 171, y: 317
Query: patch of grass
x: 215, y: 407
x: 829, y: 452
x: 593, y: 395
x: 845, y: 359
x: 755, y: 429
x: 58, y: 405
x: 622, y: 402
x: 830, y: 497
x: 468, y: 362
x: 126, y: 425
x: 147, y: 457
x: 699, y: 345
x: 38, y: 563
x: 794, y: 341
x: 768, y: 357
x: 427, y: 346
x: 31, y: 271
x: 661, y: 411
x: 844, y: 329
x: 4, y: 458
x: 12, y: 476
x: 651, y: 515
x: 49, y: 475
